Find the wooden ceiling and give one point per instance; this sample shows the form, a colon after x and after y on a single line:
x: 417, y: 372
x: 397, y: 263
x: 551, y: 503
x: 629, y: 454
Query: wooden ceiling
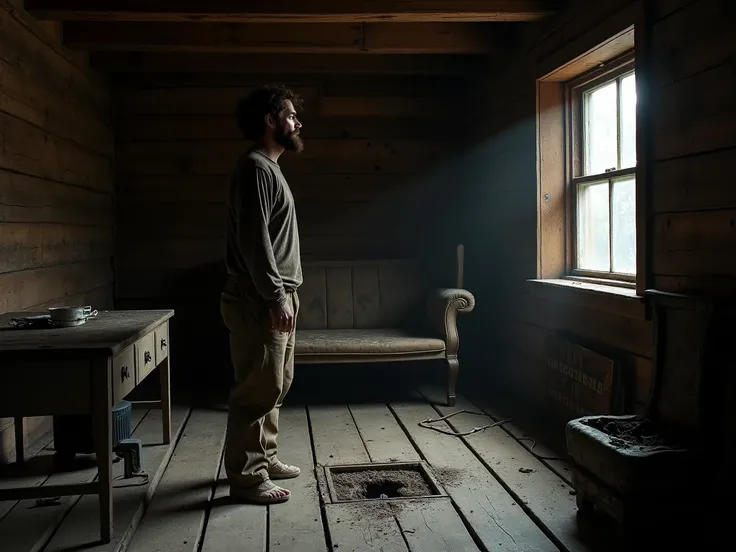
x: 157, y: 32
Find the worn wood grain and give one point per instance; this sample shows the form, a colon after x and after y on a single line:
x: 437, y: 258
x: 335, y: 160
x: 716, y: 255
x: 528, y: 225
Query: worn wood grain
x: 27, y: 99
x: 694, y: 183
x: 384, y: 438
x: 696, y: 231
x: 27, y: 149
x: 544, y: 495
x: 131, y: 66
x: 197, y: 100
x: 692, y: 40
x: 716, y: 284
x: 218, y: 157
x: 37, y: 453
x: 207, y: 273
x: 169, y: 253
x: 101, y: 297
x: 529, y: 343
x: 55, y: 140
x: 330, y: 189
x: 189, y: 220
x: 520, y: 424
x: 27, y: 528
x: 697, y: 106
x: 372, y: 118
x: 628, y: 334
x: 434, y: 525
x: 130, y: 499
x: 289, y: 38
x: 321, y: 11
x: 25, y: 246
x: 429, y: 525
x: 364, y: 184
x: 297, y: 524
x: 622, y: 302
x: 31, y: 49
x: 352, y: 528
x: 480, y: 473
x: 335, y: 437
x: 109, y: 332
x: 26, y: 289
x: 498, y: 520
x: 231, y: 524
x: 584, y: 30
x: 35, y: 200
x: 175, y: 518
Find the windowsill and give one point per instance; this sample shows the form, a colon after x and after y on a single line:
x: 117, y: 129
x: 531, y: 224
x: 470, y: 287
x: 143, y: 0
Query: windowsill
x: 620, y: 300
x: 623, y: 289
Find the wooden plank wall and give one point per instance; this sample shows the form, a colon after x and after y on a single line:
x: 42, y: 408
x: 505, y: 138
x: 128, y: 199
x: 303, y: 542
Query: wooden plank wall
x: 56, y: 179
x: 691, y: 207
x: 693, y: 195
x: 366, y: 185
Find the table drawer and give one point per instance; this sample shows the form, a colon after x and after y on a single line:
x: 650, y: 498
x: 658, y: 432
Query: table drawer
x: 123, y: 374
x: 145, y: 355
x: 161, y: 341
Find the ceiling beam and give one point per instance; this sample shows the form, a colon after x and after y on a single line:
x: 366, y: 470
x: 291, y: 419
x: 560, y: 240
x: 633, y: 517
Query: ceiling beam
x: 338, y: 64
x: 333, y: 38
x: 292, y: 11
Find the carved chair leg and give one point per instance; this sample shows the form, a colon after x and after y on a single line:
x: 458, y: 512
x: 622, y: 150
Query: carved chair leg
x: 453, y: 367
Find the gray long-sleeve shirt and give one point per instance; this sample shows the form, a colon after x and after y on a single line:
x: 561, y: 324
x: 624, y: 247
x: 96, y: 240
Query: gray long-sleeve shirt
x: 262, y: 246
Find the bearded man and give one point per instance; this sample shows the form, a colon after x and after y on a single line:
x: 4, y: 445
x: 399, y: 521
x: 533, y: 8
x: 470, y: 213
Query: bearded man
x: 259, y: 304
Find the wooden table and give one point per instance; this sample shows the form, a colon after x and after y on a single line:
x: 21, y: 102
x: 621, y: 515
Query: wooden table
x: 83, y: 370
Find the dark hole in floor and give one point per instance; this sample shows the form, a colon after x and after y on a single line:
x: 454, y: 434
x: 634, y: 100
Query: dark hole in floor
x: 383, y: 489
x: 380, y: 483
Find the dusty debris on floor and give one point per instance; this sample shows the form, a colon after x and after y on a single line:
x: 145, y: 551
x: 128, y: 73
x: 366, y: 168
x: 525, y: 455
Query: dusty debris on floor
x: 449, y: 476
x: 356, y: 485
x: 638, y: 431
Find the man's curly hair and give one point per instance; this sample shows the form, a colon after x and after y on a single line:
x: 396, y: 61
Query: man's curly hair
x: 268, y: 99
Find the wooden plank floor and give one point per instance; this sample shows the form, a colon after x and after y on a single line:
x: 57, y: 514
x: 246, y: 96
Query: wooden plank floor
x: 497, y: 495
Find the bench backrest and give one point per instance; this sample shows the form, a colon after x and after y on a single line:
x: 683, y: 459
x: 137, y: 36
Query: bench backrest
x: 359, y: 294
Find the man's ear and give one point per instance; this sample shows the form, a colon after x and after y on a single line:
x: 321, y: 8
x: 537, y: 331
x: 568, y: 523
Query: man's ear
x: 270, y: 122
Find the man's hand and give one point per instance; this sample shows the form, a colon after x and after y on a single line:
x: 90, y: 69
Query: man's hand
x: 282, y: 318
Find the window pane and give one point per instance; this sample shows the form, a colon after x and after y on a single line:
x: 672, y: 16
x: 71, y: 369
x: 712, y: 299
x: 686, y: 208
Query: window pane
x: 601, y: 129
x: 592, y: 227
x: 628, y: 121
x: 624, y: 226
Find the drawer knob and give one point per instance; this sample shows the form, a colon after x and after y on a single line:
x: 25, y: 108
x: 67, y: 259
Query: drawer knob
x: 124, y: 373
x: 146, y: 357
x: 163, y: 343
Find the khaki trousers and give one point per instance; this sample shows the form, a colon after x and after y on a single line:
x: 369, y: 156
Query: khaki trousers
x: 263, y: 361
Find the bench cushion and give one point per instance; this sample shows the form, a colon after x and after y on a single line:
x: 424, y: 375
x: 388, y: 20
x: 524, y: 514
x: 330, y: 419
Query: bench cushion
x: 364, y: 342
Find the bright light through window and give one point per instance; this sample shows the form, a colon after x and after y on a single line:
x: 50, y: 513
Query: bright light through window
x: 605, y: 225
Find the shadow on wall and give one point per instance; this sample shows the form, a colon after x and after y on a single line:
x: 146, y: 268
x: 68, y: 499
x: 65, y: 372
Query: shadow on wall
x: 198, y: 338
x: 199, y: 334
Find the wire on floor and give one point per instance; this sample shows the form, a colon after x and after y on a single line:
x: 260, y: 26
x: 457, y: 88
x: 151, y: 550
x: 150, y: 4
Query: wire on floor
x: 425, y: 424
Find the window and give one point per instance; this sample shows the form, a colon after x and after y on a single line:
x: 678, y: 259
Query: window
x: 601, y: 137
x: 592, y: 152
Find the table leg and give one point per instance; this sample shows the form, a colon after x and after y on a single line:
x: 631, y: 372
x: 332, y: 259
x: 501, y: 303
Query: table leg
x: 102, y: 415
x: 165, y: 374
x: 20, y: 442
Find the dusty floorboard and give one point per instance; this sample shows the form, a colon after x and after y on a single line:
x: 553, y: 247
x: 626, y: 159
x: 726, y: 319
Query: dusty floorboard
x: 496, y: 494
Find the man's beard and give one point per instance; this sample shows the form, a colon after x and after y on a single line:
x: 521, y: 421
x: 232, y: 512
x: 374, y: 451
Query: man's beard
x: 291, y: 142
